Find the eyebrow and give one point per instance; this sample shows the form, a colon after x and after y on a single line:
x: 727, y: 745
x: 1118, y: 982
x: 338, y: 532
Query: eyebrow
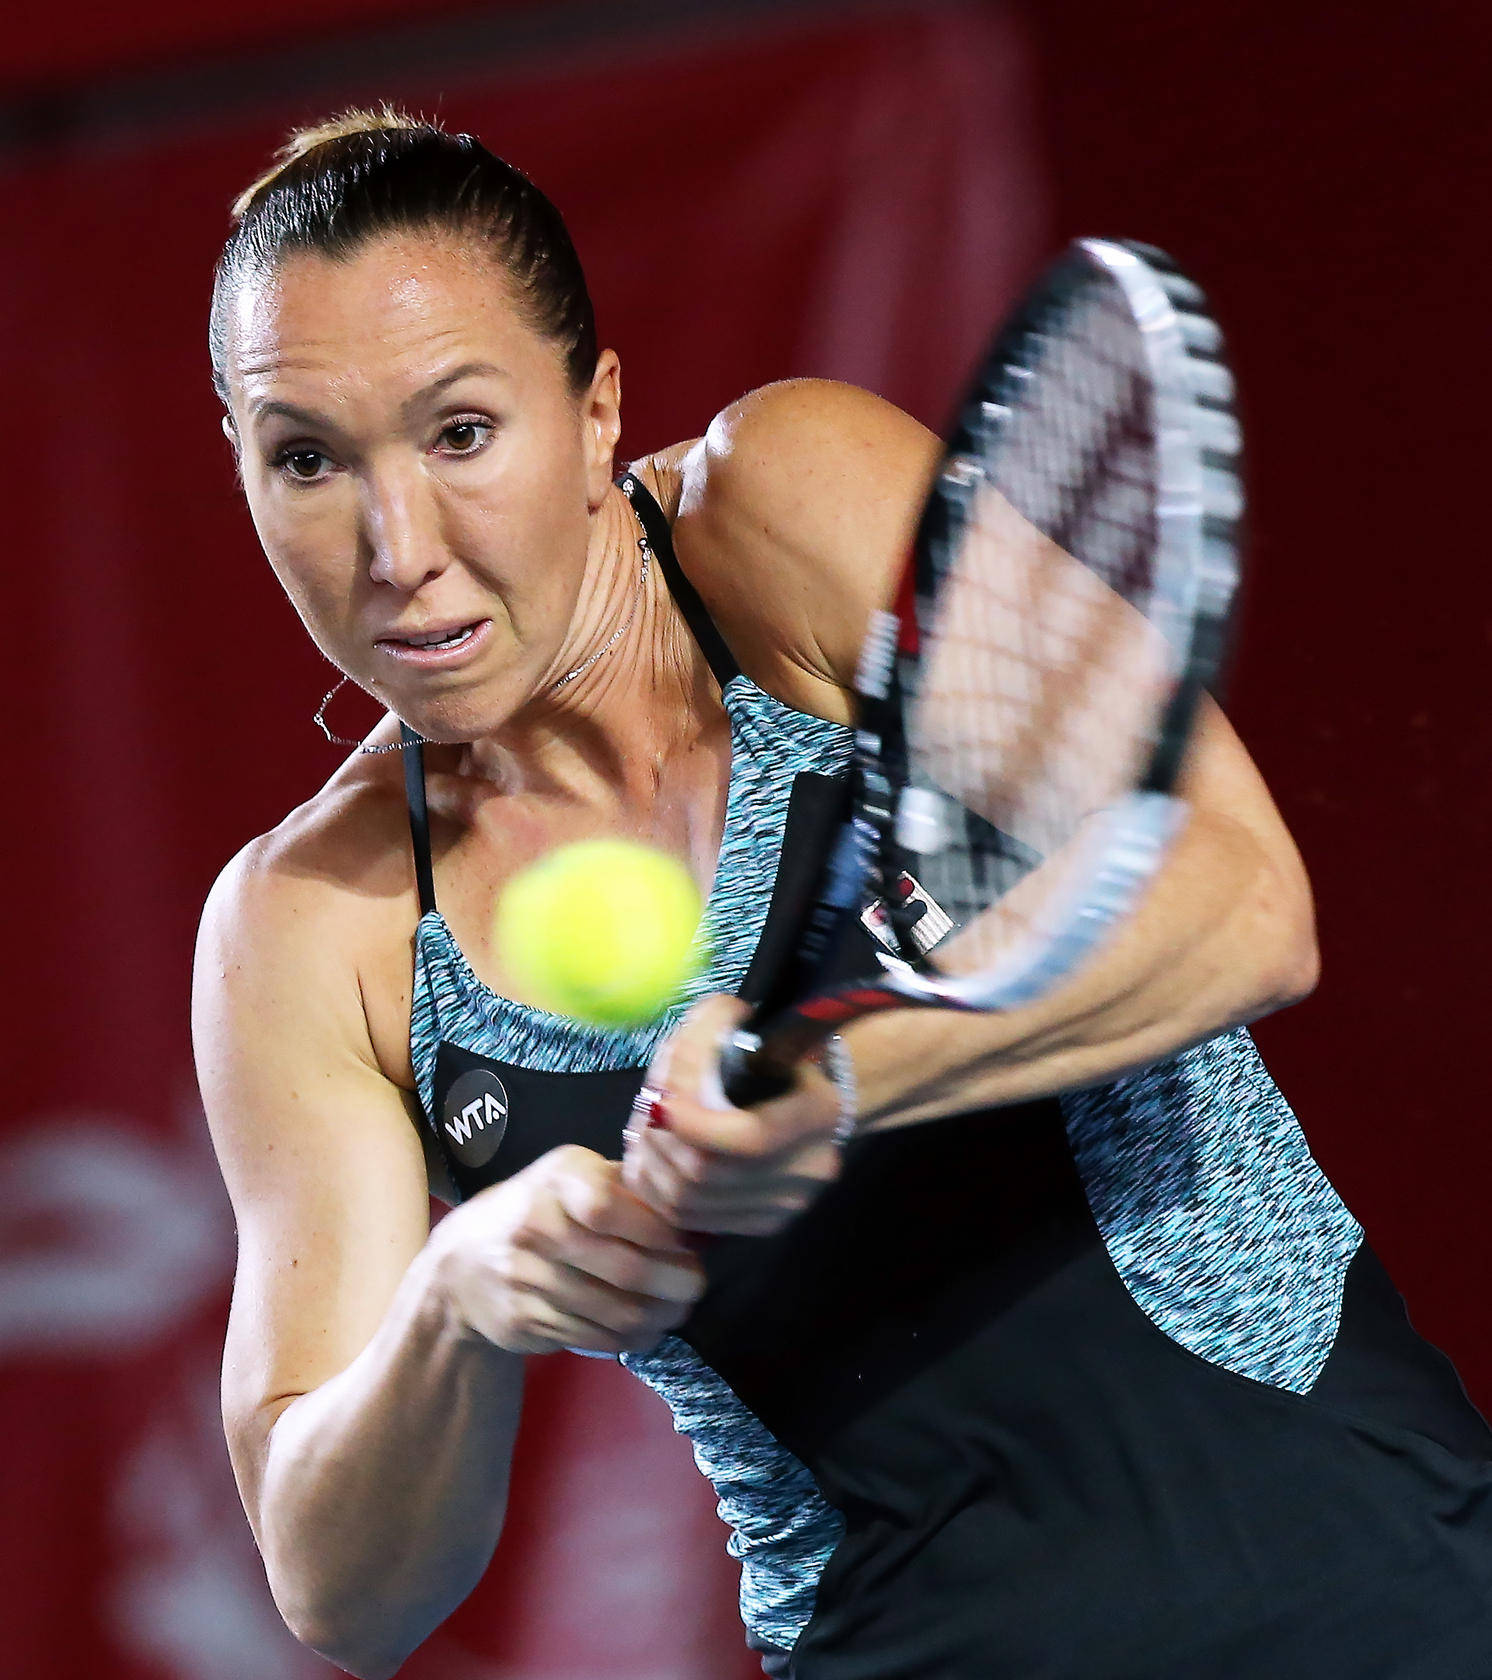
x: 467, y: 370
x: 308, y: 417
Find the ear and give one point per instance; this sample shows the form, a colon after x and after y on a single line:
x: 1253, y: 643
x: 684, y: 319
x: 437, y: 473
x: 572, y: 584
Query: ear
x: 230, y: 431
x: 601, y: 419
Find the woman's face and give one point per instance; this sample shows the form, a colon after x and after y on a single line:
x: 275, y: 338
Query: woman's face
x: 417, y: 464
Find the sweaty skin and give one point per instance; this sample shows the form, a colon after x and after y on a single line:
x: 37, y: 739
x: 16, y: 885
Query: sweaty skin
x: 415, y: 462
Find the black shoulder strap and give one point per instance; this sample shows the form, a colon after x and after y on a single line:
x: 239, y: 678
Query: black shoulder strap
x: 711, y: 643
x: 419, y: 814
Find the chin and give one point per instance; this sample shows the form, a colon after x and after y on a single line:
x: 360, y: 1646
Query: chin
x: 456, y: 721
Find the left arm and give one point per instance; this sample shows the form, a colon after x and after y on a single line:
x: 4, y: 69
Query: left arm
x: 1224, y: 935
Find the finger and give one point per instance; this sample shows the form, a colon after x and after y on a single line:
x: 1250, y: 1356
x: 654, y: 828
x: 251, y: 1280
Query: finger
x: 673, y: 1198
x: 689, y: 1058
x: 686, y: 1070
x: 753, y: 1193
x: 675, y: 1179
x: 809, y: 1110
x: 652, y: 1176
x: 622, y: 1313
x: 619, y: 1265
x: 687, y: 1162
x: 597, y: 1200
x: 576, y: 1284
x: 732, y: 1215
x: 550, y: 1330
x: 714, y: 1172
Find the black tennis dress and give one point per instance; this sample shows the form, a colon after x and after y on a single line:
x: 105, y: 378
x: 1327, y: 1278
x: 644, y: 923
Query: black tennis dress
x: 1100, y: 1387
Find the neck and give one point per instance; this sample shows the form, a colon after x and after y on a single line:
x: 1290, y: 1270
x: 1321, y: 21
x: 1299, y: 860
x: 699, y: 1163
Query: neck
x: 609, y: 723
x: 598, y: 607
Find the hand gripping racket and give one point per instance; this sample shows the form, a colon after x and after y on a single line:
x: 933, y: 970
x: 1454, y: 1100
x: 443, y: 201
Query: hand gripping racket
x: 1024, y: 709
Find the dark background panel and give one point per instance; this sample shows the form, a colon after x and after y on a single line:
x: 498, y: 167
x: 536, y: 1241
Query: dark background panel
x: 1322, y: 167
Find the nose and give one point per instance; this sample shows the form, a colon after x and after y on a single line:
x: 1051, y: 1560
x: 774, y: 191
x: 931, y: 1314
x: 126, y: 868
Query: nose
x: 402, y: 530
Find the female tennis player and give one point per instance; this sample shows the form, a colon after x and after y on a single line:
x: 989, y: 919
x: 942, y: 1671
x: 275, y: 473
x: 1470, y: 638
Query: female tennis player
x: 1070, y: 1363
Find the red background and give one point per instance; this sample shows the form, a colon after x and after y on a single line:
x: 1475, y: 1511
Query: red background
x: 854, y: 190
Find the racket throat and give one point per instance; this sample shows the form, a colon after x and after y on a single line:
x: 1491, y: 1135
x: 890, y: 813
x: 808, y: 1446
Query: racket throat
x: 908, y: 922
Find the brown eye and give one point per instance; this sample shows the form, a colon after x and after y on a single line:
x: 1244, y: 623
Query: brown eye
x: 465, y: 437
x: 302, y: 463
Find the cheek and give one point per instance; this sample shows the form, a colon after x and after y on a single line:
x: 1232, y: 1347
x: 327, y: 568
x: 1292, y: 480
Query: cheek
x: 568, y: 484
x: 308, y: 551
x: 524, y: 522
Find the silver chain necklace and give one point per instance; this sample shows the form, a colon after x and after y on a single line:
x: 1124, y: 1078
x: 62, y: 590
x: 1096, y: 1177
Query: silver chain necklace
x: 644, y: 548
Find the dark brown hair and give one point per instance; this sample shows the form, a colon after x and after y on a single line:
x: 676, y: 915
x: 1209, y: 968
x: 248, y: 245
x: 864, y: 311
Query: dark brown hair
x: 363, y: 174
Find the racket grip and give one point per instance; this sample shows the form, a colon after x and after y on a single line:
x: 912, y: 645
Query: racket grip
x: 748, y: 1076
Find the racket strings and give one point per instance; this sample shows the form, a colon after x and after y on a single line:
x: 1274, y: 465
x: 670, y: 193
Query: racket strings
x: 1041, y: 672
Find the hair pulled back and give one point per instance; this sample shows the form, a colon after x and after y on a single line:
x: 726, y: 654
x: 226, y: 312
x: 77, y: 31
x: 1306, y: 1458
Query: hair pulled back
x: 364, y: 174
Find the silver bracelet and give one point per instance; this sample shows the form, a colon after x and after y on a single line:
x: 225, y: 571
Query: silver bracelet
x: 841, y: 1073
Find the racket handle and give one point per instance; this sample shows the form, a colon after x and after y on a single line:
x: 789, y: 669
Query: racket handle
x: 748, y: 1075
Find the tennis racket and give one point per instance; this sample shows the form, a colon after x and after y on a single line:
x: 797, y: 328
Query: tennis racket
x: 1024, y: 709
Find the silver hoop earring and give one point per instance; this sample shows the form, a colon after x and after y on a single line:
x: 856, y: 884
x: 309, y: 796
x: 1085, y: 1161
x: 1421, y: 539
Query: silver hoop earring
x: 319, y: 719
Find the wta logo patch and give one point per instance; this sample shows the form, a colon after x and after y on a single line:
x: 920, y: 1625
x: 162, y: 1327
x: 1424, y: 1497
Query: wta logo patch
x: 475, y: 1116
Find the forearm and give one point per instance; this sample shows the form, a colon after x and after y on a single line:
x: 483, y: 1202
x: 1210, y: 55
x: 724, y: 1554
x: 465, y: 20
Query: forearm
x: 382, y: 1491
x: 1223, y: 936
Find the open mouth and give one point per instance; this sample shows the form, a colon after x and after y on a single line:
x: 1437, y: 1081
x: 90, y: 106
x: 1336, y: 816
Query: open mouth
x: 431, y: 647
x: 436, y: 638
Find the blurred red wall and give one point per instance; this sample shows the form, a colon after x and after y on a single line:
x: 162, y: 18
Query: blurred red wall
x: 47, y: 51
x: 755, y: 199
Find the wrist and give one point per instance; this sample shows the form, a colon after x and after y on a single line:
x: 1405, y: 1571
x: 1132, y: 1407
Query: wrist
x: 839, y: 1070
x: 442, y: 1274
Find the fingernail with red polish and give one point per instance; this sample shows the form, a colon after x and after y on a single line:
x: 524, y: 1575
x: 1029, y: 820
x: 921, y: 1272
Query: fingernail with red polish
x: 649, y: 1105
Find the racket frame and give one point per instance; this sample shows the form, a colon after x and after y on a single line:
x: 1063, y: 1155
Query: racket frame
x: 1198, y: 507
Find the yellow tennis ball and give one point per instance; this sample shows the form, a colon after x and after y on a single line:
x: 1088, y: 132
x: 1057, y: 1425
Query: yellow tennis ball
x: 603, y: 930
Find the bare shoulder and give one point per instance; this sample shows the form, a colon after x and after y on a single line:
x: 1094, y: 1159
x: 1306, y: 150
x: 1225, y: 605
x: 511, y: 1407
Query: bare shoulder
x: 340, y: 846
x: 793, y: 516
x: 301, y: 917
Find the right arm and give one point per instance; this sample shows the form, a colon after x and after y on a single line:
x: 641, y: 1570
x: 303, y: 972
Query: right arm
x: 373, y: 1370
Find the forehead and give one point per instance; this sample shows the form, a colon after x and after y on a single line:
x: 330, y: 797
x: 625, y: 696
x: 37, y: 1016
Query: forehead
x: 382, y: 317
